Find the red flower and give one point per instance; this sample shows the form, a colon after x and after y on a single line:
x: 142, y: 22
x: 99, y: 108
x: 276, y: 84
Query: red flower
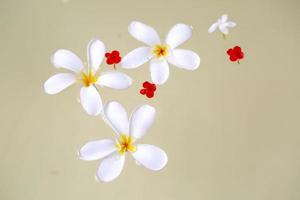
x: 113, y: 57
x: 148, y: 89
x: 235, y: 54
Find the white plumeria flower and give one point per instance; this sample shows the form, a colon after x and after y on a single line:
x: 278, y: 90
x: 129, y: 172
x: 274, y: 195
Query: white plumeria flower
x: 159, y: 53
x: 128, y: 131
x: 222, y: 24
x: 87, y: 76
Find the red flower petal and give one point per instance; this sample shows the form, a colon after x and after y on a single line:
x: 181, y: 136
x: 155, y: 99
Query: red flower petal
x: 109, y: 61
x: 115, y: 53
x: 149, y: 94
x: 233, y: 58
x: 152, y: 87
x: 237, y: 49
x: 241, y: 56
x: 146, y: 84
x: 107, y: 55
x: 229, y: 51
x: 118, y: 59
x: 143, y: 91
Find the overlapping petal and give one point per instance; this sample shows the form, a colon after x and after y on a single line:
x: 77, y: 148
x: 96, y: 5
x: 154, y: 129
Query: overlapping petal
x: 59, y: 82
x: 115, y: 80
x: 213, y: 27
x: 224, y: 18
x: 150, y: 156
x: 141, y: 120
x: 178, y: 35
x: 95, y: 53
x: 98, y: 149
x: 116, y: 115
x: 143, y: 33
x: 136, y: 58
x: 159, y: 70
x: 90, y: 100
x: 111, y: 167
x: 66, y: 59
x: 185, y: 59
x: 223, y: 29
x: 230, y: 24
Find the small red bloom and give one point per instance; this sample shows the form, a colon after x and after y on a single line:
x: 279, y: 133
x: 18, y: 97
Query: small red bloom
x: 148, y: 89
x: 113, y: 57
x: 235, y: 54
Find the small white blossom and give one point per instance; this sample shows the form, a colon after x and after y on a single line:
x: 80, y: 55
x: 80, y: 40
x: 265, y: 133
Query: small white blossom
x: 222, y: 24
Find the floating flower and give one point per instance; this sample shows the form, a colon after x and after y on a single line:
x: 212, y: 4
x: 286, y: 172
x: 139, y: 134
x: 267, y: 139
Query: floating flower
x: 223, y: 25
x: 159, y: 53
x: 148, y: 89
x: 235, y: 54
x: 87, y: 76
x: 113, y: 58
x: 128, y: 132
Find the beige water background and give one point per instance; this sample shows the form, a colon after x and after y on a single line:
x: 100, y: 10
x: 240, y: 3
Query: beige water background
x: 232, y: 132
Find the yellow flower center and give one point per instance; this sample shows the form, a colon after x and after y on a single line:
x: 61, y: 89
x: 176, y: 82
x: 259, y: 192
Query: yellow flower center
x: 161, y: 50
x: 125, y: 144
x: 88, y: 79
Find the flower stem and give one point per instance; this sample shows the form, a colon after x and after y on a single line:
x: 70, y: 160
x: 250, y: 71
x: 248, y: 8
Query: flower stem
x: 224, y: 36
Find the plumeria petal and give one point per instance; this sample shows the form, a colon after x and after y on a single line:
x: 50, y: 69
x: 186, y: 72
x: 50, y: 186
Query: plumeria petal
x: 136, y: 58
x: 98, y: 149
x: 59, y: 82
x: 117, y: 117
x: 178, y: 35
x: 159, y: 71
x: 213, y: 27
x: 143, y: 33
x: 115, y: 80
x: 141, y: 120
x: 150, y: 156
x: 111, y: 167
x: 224, y: 18
x: 91, y: 100
x: 185, y: 59
x: 223, y: 29
x: 230, y: 24
x: 66, y: 59
x: 95, y: 53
